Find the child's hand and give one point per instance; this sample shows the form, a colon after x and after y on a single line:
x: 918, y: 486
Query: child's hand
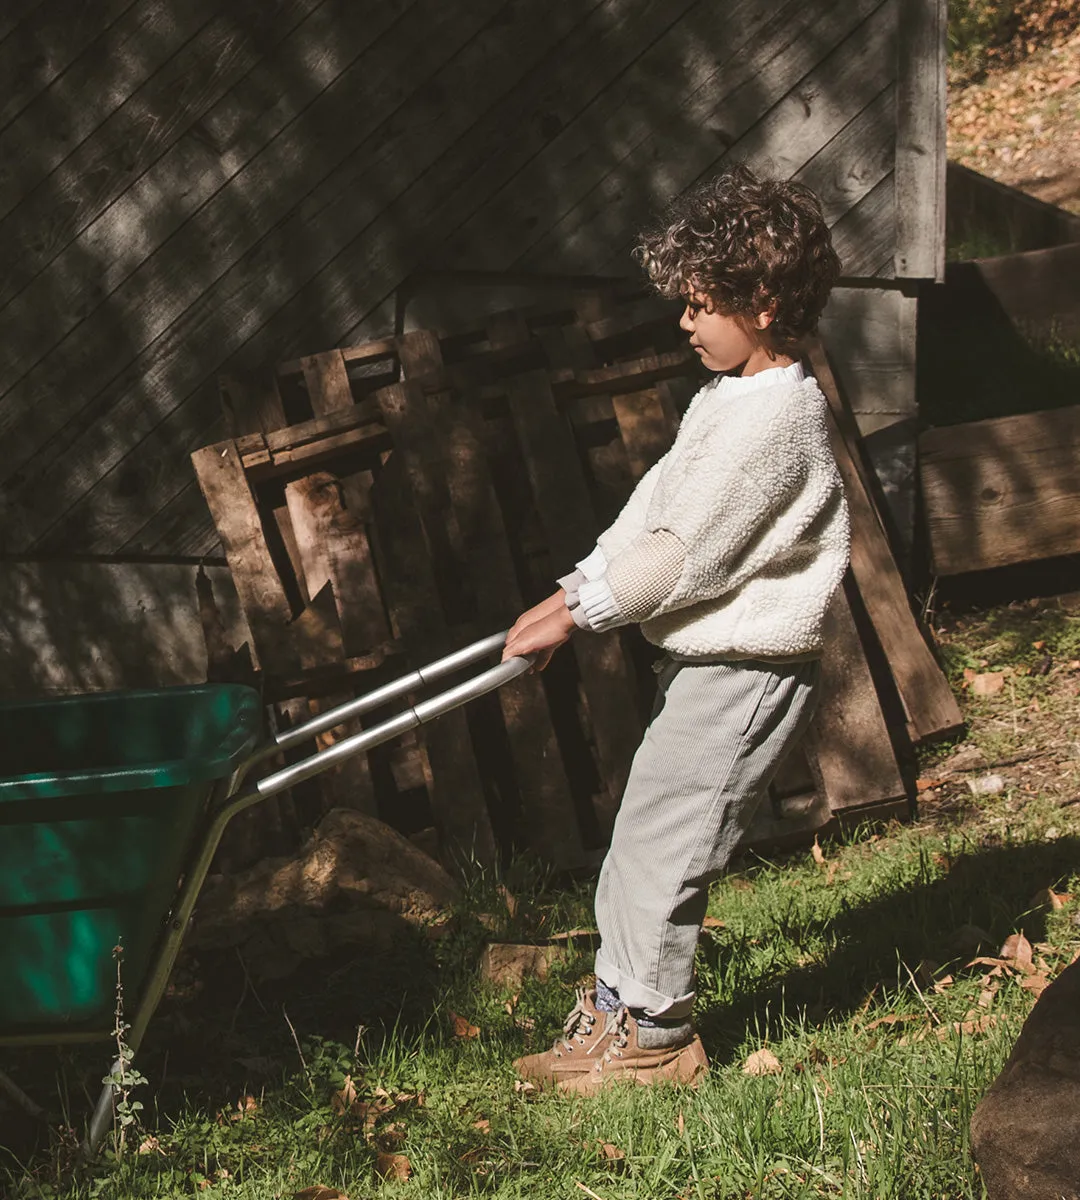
x: 541, y: 637
x: 538, y: 611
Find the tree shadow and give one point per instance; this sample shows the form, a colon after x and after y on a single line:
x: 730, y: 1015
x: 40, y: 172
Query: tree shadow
x: 933, y: 921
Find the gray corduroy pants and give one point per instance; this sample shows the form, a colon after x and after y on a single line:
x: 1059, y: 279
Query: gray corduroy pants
x: 717, y: 734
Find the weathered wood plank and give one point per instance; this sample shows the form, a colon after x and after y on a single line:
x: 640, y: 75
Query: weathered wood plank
x: 853, y: 162
x: 136, y: 44
x: 864, y: 236
x: 333, y: 548
x: 412, y: 594
x: 768, y: 109
x: 262, y: 596
x: 1033, y: 286
x: 928, y: 701
x: 675, y: 74
x: 125, y: 218
x: 547, y: 805
x: 328, y: 217
x: 327, y: 382
x: 149, y: 301
x: 251, y: 403
x: 565, y: 510
x: 41, y: 40
x: 848, y: 742
x: 103, y: 166
x: 16, y: 13
x: 920, y: 140
x: 181, y: 528
x: 88, y: 626
x: 1002, y: 491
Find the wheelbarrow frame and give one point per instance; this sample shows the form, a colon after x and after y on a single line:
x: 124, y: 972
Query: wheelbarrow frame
x: 229, y: 796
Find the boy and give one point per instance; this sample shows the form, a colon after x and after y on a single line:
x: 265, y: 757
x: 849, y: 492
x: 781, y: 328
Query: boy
x: 727, y: 553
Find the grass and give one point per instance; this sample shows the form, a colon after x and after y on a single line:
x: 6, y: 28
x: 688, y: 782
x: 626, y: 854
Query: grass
x: 832, y: 967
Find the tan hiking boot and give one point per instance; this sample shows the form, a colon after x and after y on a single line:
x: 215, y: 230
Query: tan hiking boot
x: 624, y: 1058
x: 582, y: 1043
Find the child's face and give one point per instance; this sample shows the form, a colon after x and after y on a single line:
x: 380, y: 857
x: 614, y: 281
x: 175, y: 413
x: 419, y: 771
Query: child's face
x: 725, y: 342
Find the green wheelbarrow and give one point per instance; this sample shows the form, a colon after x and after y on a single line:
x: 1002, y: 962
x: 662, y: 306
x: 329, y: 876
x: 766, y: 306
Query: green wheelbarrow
x: 111, y: 808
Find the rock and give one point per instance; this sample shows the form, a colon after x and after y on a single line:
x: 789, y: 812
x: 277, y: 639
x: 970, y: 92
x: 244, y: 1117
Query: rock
x: 508, y: 963
x: 967, y: 758
x: 355, y: 881
x: 987, y: 684
x: 987, y: 785
x: 1026, y: 1130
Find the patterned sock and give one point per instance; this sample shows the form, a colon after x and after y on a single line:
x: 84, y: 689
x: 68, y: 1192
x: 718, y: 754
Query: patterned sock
x: 607, y: 999
x: 656, y: 1032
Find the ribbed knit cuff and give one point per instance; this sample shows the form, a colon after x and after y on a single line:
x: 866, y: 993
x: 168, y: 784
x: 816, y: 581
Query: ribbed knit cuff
x: 598, y: 606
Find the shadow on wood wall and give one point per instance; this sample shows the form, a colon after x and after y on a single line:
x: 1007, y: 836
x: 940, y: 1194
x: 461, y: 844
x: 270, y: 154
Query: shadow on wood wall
x: 214, y: 184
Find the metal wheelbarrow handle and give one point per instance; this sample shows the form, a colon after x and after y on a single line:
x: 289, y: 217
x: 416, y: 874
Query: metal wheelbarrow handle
x: 413, y: 716
x: 231, y: 800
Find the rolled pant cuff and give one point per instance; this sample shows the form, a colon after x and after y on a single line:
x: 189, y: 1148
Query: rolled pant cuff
x: 638, y: 995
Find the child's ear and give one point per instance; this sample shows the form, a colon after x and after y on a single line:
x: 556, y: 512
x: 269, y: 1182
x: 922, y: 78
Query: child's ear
x: 763, y: 320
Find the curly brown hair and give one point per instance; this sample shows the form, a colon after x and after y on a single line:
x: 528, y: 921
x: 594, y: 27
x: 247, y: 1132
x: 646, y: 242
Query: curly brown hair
x: 747, y: 244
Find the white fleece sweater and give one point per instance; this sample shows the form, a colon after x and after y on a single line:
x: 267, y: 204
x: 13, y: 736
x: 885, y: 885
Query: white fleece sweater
x: 732, y: 545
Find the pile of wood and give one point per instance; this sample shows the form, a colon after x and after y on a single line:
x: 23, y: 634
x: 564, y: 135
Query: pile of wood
x: 387, y: 503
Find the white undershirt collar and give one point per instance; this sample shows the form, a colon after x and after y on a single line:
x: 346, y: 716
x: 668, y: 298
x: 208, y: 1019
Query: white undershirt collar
x: 740, y: 385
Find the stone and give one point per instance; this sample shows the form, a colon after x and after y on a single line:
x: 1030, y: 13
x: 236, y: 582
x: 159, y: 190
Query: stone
x: 967, y: 758
x: 355, y: 881
x: 506, y: 964
x: 987, y: 785
x: 1026, y: 1129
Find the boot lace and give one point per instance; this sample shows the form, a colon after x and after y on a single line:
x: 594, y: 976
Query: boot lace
x: 620, y: 1035
x: 577, y: 1027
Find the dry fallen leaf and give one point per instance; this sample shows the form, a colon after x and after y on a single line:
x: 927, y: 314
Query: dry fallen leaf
x: 969, y: 1027
x: 1035, y: 984
x: 484, y: 1125
x: 681, y: 1123
x: 894, y: 1019
x: 762, y: 1062
x: 713, y: 923
x: 343, y: 1101
x: 924, y: 785
x: 150, y: 1145
x: 944, y: 982
x: 462, y: 1028
x: 817, y: 852
x: 319, y: 1193
x: 1017, y: 951
x: 1050, y: 900
x: 523, y: 1087
x: 393, y: 1166
x: 610, y: 1151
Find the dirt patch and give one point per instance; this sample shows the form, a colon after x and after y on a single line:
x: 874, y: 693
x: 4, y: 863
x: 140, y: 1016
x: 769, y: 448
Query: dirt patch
x: 1020, y: 123
x: 1016, y: 670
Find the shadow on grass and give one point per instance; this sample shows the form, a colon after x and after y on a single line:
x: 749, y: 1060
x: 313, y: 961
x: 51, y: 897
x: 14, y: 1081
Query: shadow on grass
x: 989, y: 890
x: 221, y: 1036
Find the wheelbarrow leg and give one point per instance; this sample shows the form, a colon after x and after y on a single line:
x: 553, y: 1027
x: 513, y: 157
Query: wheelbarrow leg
x: 102, y: 1117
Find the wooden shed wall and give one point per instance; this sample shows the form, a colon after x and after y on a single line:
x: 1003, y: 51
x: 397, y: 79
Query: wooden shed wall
x: 189, y: 186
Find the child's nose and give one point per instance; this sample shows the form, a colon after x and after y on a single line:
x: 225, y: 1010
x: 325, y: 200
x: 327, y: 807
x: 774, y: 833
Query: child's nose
x: 686, y: 321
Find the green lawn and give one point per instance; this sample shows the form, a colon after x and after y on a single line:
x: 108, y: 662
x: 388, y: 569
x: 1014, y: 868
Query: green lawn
x: 852, y: 972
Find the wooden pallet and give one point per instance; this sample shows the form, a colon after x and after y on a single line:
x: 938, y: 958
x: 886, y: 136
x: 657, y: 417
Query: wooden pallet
x: 384, y: 504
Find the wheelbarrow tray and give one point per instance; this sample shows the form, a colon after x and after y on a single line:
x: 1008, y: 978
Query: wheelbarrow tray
x: 102, y: 799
